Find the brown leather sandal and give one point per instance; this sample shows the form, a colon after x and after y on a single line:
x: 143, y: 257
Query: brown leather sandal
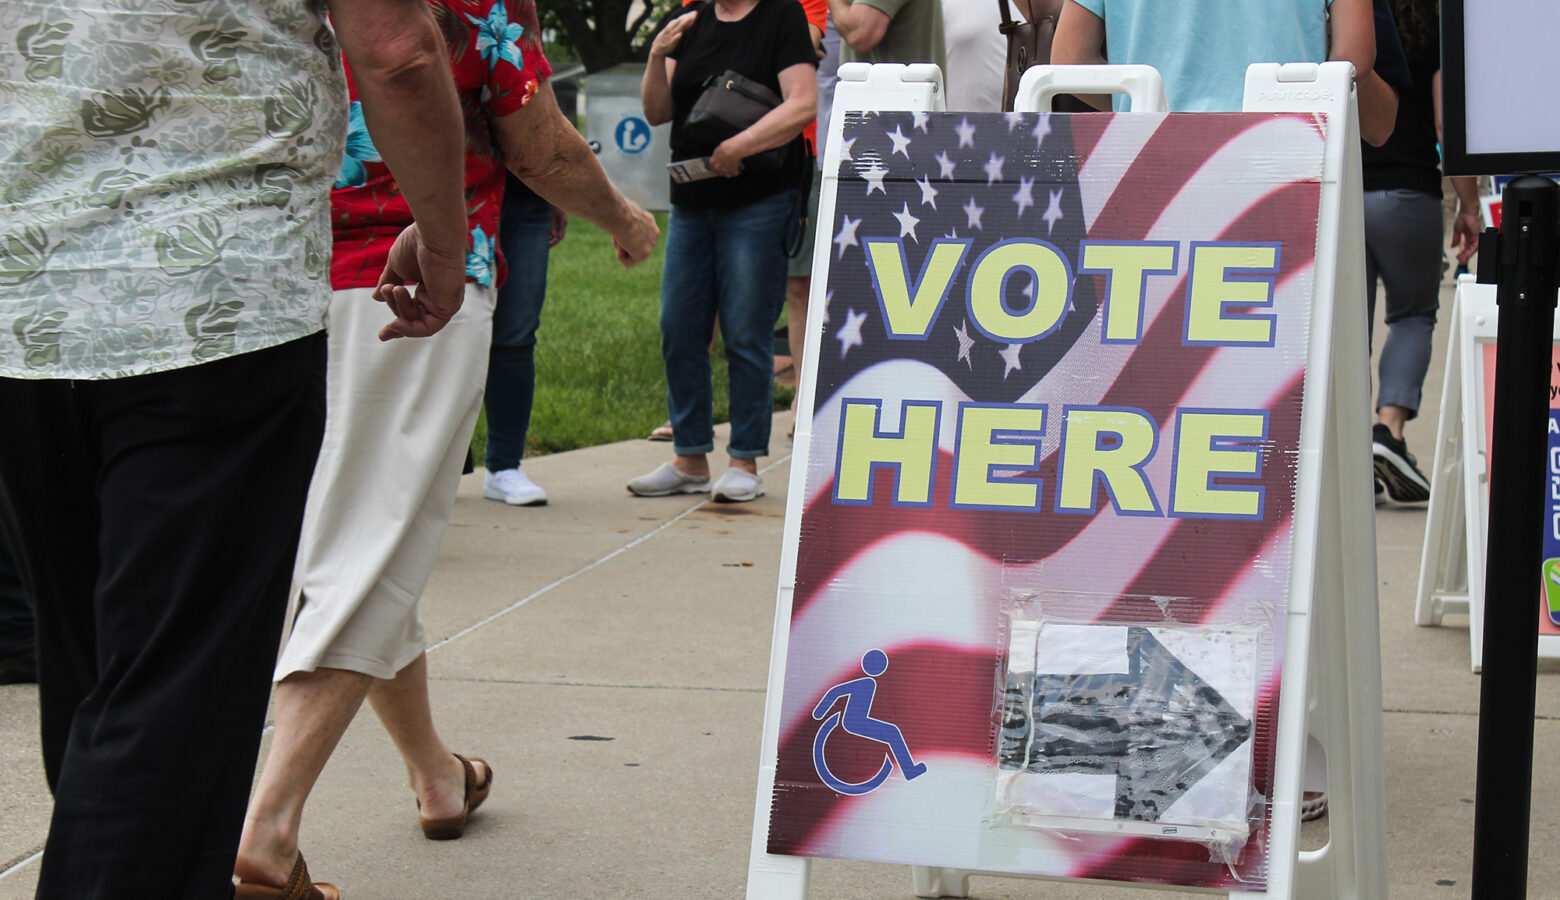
x: 298, y: 887
x: 448, y: 829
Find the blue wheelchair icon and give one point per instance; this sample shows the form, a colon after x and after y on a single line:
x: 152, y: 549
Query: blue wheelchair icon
x: 855, y: 716
x: 633, y: 134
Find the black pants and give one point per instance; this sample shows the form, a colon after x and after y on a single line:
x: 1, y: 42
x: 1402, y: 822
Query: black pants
x: 16, y: 617
x: 156, y: 519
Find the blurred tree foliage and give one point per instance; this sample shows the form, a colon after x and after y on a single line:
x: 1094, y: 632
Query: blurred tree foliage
x: 603, y: 33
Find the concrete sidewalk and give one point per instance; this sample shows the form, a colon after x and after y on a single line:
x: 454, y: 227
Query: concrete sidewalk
x: 608, y: 654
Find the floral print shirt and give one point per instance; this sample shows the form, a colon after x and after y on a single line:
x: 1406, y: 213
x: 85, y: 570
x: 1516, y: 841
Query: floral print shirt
x: 164, y: 169
x: 496, y: 55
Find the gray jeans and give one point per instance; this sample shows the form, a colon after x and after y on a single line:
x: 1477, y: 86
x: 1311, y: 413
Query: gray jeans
x: 1403, y: 237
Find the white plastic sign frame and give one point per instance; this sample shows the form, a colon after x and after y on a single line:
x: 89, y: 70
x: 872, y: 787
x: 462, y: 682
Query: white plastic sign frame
x: 1333, y: 574
x: 1452, y: 566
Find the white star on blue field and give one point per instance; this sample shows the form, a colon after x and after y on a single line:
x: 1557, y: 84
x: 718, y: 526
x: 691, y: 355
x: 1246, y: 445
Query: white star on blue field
x: 909, y: 177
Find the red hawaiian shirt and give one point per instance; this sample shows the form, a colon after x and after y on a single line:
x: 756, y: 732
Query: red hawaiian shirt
x: 496, y: 56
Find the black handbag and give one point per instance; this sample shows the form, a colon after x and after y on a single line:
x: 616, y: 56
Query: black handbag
x: 730, y: 103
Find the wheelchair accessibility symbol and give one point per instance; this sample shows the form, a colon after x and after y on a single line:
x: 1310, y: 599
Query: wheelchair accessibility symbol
x: 855, y: 717
x: 633, y: 134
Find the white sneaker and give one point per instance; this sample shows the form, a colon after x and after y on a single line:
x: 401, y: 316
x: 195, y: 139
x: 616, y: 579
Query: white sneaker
x: 513, y: 487
x: 667, y: 480
x: 737, y: 486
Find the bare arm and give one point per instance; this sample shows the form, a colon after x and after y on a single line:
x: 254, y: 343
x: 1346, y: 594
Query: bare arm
x: 1378, y: 108
x: 817, y: 20
x: 542, y: 148
x: 402, y: 72
x: 1470, y: 220
x: 861, y: 26
x: 655, y: 88
x: 1080, y: 41
x: 799, y: 90
x: 1353, y: 39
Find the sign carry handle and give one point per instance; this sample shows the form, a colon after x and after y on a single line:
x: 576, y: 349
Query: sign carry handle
x: 1143, y: 85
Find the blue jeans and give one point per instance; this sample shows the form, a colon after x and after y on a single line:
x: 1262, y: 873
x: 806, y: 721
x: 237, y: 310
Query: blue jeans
x: 731, y: 262
x: 525, y: 225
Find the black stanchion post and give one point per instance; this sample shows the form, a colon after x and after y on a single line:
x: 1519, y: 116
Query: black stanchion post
x: 1525, y: 268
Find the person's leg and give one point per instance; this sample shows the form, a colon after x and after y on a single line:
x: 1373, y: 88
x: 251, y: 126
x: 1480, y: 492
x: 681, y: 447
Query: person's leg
x: 799, y: 284
x: 18, y: 659
x: 1377, y: 224
x: 200, y: 477
x: 385, y: 485
x: 1407, y: 246
x: 797, y: 288
x: 750, y: 287
x: 313, y: 710
x: 50, y: 511
x: 1410, y: 274
x: 525, y: 228
x: 368, y: 544
x: 1374, y: 224
x: 435, y: 775
x: 687, y: 317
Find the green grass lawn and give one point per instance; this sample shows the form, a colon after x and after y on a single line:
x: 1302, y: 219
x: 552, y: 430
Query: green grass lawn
x: 599, y: 377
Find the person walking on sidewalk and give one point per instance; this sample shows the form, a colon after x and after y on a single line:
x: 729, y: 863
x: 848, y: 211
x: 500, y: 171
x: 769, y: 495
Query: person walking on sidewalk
x: 391, y: 461
x: 1203, y: 48
x: 1403, y: 248
x: 163, y: 205
x: 528, y: 228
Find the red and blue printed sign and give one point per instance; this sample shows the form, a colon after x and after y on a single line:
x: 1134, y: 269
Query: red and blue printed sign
x: 1044, y: 553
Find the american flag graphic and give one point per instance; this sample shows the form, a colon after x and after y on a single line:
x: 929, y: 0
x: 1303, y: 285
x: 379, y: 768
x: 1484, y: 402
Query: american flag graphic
x: 930, y: 585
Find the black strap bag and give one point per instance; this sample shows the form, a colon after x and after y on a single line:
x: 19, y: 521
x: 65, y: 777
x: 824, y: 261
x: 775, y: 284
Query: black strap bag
x: 730, y: 103
x: 1029, y: 44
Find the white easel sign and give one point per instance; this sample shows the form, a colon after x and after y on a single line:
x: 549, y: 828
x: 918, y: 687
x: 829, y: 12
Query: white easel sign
x: 1452, y: 569
x: 1053, y: 449
x: 1081, y: 468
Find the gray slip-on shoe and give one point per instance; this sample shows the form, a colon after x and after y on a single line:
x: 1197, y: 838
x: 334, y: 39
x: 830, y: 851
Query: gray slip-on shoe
x: 737, y: 486
x: 667, y: 480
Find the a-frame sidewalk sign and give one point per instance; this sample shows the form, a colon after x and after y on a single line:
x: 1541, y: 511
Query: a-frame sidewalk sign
x: 1080, y: 547
x: 1452, y: 567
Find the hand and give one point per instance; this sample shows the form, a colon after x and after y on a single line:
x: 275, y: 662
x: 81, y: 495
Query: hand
x: 666, y: 41
x: 634, y: 242
x: 440, y: 278
x: 726, y: 160
x: 1465, y: 234
x: 560, y: 227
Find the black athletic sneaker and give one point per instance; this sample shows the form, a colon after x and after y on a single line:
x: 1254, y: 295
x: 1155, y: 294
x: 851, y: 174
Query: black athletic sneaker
x: 1397, y: 468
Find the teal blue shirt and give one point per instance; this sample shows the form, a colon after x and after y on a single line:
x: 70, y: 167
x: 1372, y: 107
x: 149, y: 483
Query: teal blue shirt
x: 1202, y: 47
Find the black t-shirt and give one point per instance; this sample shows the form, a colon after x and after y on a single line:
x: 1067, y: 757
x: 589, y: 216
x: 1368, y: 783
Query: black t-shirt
x: 772, y: 37
x: 1409, y: 158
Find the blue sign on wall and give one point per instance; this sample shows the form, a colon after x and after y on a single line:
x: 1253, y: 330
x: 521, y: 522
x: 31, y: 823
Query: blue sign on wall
x: 632, y: 134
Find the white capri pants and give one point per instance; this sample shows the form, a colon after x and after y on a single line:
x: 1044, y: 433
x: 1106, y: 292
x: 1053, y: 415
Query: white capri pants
x: 398, y: 420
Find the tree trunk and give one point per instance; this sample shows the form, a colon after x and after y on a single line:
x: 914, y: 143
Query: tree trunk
x: 600, y: 30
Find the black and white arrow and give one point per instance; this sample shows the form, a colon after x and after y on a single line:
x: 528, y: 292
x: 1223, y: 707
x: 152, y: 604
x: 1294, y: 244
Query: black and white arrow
x: 1158, y: 727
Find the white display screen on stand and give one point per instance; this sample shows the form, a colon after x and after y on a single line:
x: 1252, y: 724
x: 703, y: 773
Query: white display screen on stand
x: 1502, y: 113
